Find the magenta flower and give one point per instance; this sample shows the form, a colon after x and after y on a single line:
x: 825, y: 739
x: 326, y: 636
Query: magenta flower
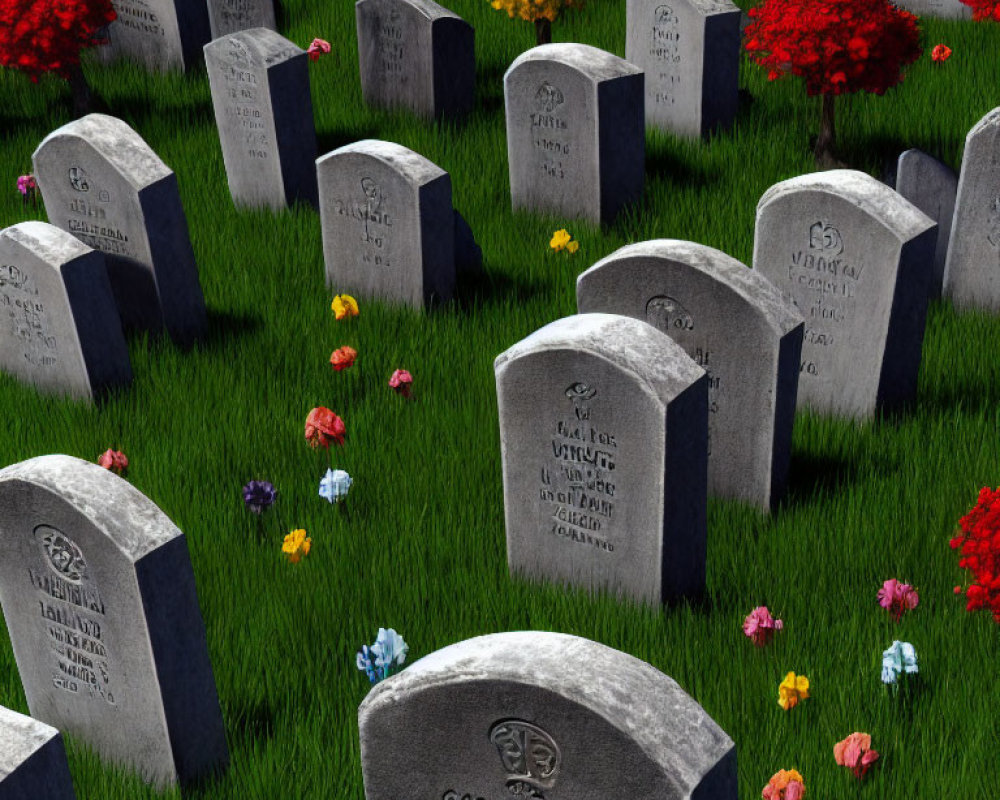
x: 317, y: 48
x: 897, y: 597
x: 760, y: 626
x: 400, y: 382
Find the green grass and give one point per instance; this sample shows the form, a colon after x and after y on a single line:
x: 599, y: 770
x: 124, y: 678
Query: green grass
x: 420, y: 544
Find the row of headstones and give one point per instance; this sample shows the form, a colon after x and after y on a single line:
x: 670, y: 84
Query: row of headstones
x: 110, y: 647
x: 680, y: 376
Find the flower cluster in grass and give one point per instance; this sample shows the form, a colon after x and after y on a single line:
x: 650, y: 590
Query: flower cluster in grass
x: 854, y: 751
x: 378, y: 660
x: 318, y: 48
x: 28, y: 188
x: 561, y: 240
x: 980, y: 543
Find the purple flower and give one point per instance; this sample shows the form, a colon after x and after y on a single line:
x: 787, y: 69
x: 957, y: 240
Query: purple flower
x: 258, y: 495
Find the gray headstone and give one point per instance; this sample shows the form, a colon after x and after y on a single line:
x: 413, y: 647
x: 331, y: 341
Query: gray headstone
x: 416, y: 55
x: 388, y: 224
x: 263, y: 110
x: 972, y: 267
x: 537, y: 714
x: 576, y: 138
x: 931, y: 186
x: 99, y: 598
x: 943, y: 9
x: 60, y: 331
x: 162, y: 35
x: 33, y: 762
x: 690, y: 52
x: 734, y: 323
x: 231, y: 16
x: 101, y: 182
x: 855, y: 257
x: 603, y: 424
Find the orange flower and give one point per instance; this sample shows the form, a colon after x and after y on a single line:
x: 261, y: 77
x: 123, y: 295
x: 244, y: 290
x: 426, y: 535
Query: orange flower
x: 785, y: 785
x: 323, y: 427
x: 941, y: 52
x: 343, y: 358
x: 855, y: 753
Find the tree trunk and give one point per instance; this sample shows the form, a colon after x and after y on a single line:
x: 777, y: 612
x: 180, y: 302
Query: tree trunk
x: 81, y: 91
x: 543, y: 31
x: 824, y: 142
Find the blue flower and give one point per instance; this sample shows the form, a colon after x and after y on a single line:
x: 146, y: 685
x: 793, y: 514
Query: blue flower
x: 258, y: 495
x: 389, y: 650
x: 334, y: 485
x: 899, y: 658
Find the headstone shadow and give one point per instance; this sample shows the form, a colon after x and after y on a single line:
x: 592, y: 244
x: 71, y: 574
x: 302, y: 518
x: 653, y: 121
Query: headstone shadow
x: 811, y: 477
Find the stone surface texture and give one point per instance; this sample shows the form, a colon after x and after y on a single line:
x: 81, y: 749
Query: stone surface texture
x: 535, y: 711
x: 690, y: 53
x: 603, y: 441
x: 942, y: 9
x: 162, y: 35
x: 855, y: 257
x: 102, y: 183
x: 232, y: 16
x: 415, y: 55
x: 99, y: 599
x: 575, y: 131
x: 263, y: 110
x: 735, y: 324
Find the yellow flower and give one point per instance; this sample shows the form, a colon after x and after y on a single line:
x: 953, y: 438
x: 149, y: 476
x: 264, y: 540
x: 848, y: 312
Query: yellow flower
x: 792, y: 689
x: 296, y: 545
x: 344, y: 305
x: 573, y: 246
x: 559, y: 239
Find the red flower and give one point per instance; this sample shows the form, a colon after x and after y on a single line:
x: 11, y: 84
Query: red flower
x: 113, y: 460
x: 343, y: 358
x: 981, y: 552
x: 941, y: 52
x: 984, y: 9
x: 323, y: 427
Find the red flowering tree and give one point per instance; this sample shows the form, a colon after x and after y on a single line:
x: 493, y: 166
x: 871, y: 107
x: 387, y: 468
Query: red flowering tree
x: 40, y: 36
x: 984, y: 9
x: 837, y: 46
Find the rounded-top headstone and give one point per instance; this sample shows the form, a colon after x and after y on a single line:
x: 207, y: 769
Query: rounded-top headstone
x: 33, y: 762
x: 736, y: 325
x: 539, y: 714
x: 575, y: 131
x: 162, y: 35
x: 855, y: 258
x: 99, y: 599
x: 603, y: 424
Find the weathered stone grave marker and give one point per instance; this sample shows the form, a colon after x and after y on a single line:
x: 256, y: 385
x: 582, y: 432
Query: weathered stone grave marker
x: 931, y: 186
x: 575, y: 131
x: 417, y: 55
x: 972, y: 266
x: 101, y: 182
x: 734, y: 323
x: 33, y: 762
x: 263, y: 110
x: 690, y: 53
x: 855, y: 257
x: 942, y: 9
x: 232, y: 16
x: 603, y: 425
x: 389, y: 229
x: 60, y: 329
x: 162, y: 35
x: 537, y: 714
x: 99, y: 599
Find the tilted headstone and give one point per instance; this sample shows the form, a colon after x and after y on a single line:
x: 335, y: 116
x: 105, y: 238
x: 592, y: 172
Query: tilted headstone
x: 231, y: 16
x: 972, y: 267
x: 101, y: 182
x: 931, y: 186
x: 690, y: 52
x: 99, y: 598
x: 603, y: 425
x: 737, y: 327
x: 388, y: 224
x: 943, y: 9
x: 162, y: 35
x: 855, y: 257
x: 544, y: 715
x: 576, y: 138
x: 416, y: 55
x: 33, y: 762
x: 263, y: 110
x: 60, y: 329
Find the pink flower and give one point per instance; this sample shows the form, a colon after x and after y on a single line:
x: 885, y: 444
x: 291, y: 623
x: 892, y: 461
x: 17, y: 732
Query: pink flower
x: 854, y: 753
x: 897, y: 597
x: 760, y: 626
x: 400, y: 382
x: 26, y: 184
x: 114, y: 460
x: 317, y: 48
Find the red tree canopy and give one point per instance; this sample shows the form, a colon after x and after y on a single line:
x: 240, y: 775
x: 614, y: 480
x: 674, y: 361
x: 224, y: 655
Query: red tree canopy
x: 984, y: 9
x: 838, y: 46
x: 39, y: 36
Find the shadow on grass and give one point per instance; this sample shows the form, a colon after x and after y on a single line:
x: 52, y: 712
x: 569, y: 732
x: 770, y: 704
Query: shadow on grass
x: 811, y: 477
x: 251, y: 720
x: 474, y: 290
